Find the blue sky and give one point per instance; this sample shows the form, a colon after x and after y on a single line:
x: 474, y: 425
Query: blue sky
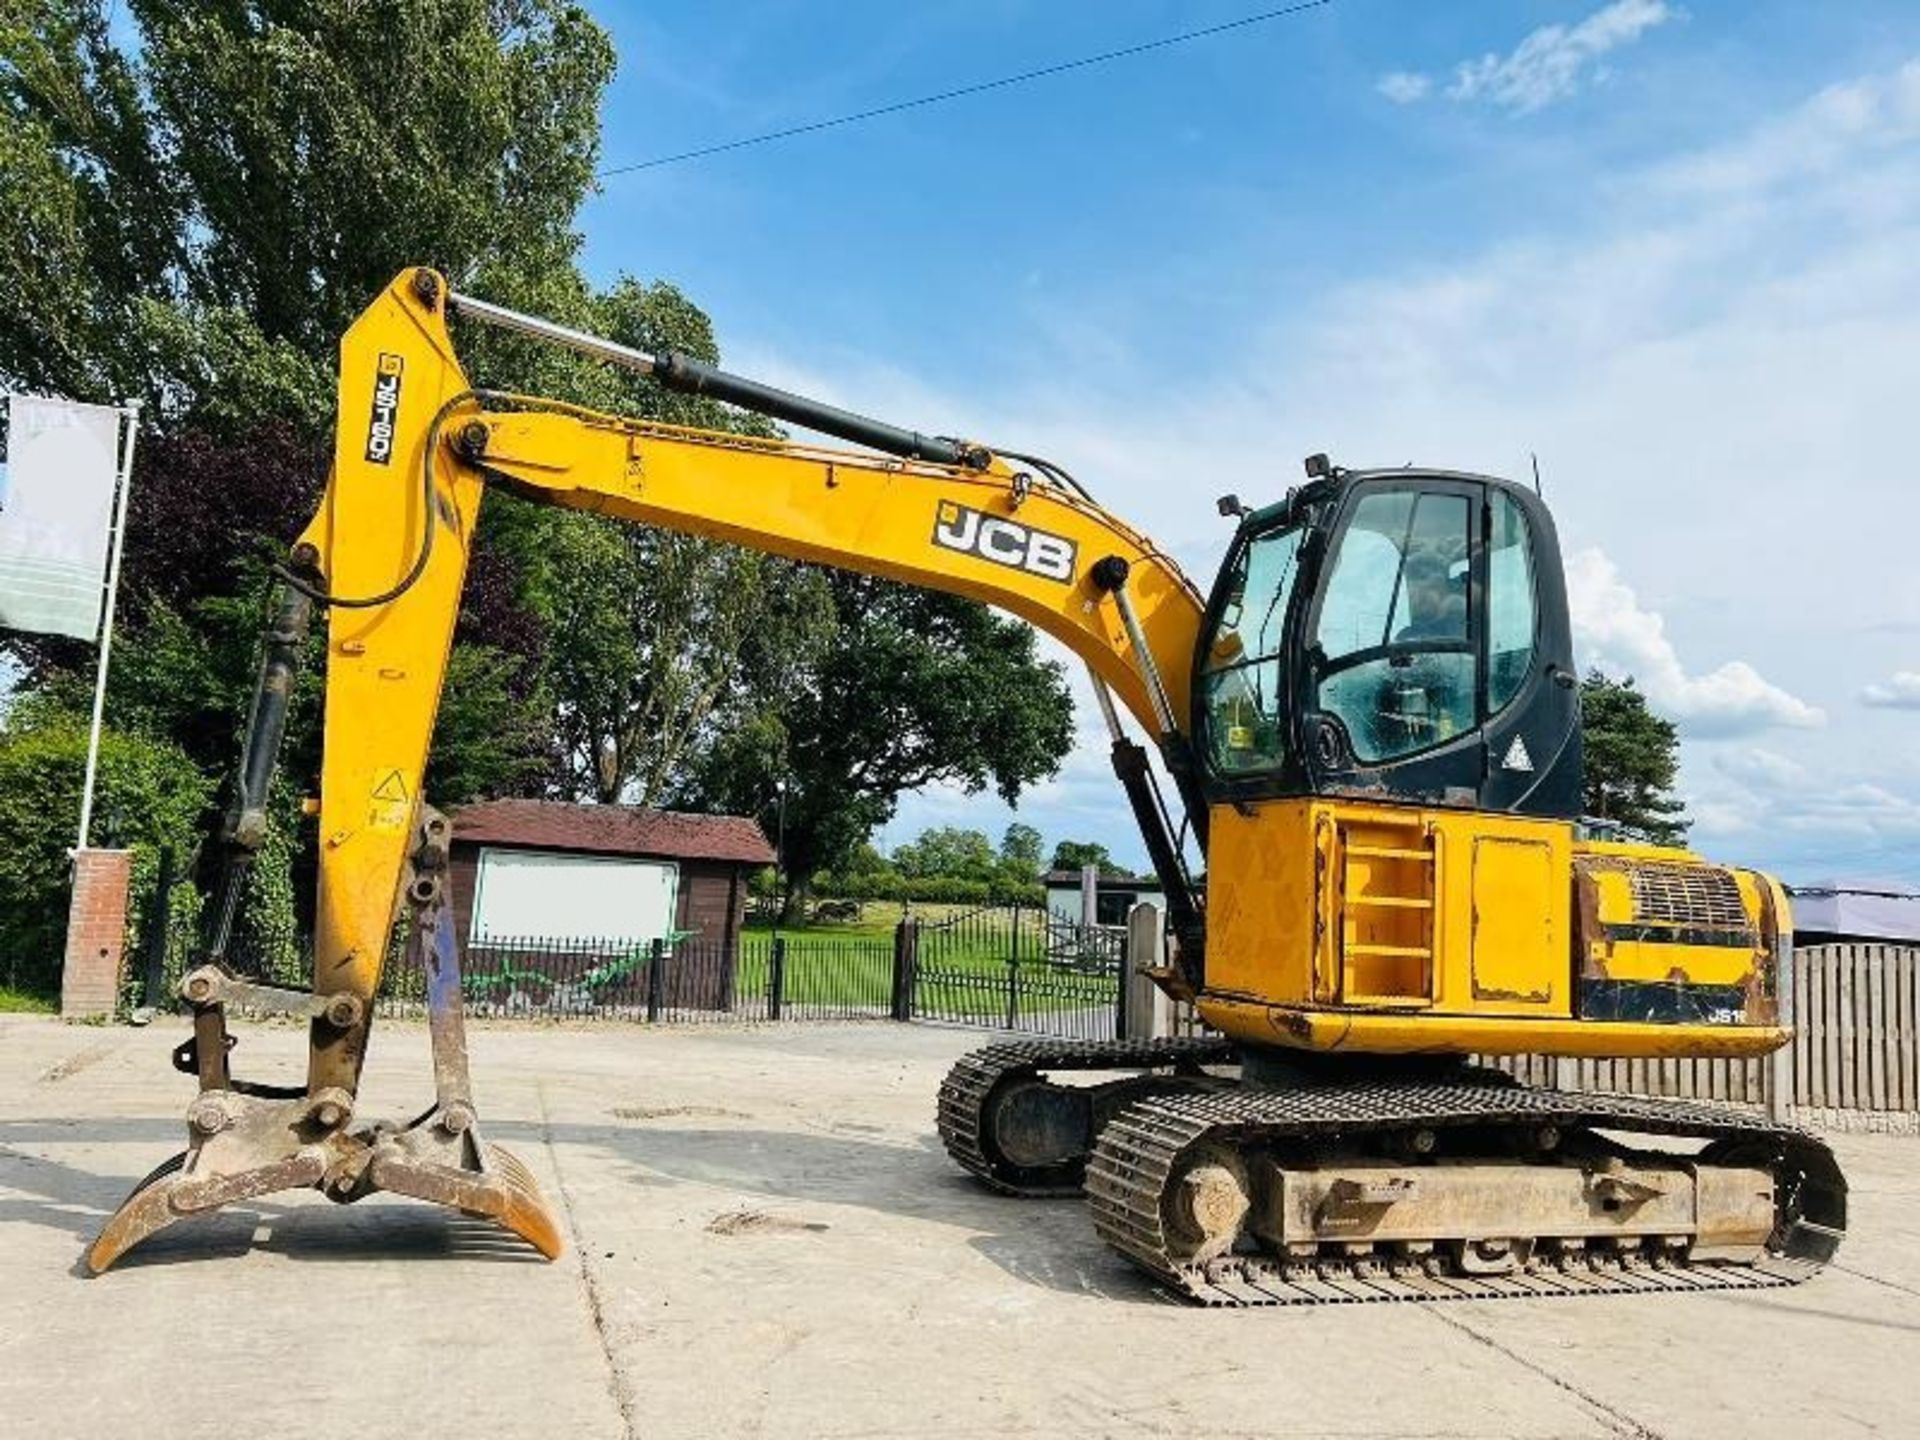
x: 1667, y: 248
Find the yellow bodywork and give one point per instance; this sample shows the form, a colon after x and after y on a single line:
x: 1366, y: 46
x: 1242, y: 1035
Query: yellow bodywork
x: 1332, y: 924
x: 1342, y: 925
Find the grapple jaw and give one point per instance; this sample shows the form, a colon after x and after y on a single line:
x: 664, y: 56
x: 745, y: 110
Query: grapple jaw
x: 246, y: 1141
x: 274, y: 1145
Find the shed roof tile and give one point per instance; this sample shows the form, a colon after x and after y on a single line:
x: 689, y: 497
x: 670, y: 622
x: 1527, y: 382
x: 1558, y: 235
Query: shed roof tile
x: 612, y: 830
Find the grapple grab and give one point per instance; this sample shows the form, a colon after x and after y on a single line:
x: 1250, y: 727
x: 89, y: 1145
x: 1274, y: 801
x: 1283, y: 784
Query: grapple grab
x: 247, y: 1140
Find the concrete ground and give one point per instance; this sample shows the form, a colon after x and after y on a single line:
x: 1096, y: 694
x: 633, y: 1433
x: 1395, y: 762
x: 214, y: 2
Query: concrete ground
x: 768, y: 1241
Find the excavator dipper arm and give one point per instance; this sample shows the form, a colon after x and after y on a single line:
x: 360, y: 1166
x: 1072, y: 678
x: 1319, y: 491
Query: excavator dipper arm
x: 416, y: 446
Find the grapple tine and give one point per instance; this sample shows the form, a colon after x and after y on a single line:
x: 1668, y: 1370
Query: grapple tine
x: 146, y: 1210
x: 442, y: 1158
x: 415, y: 1163
x: 526, y: 1212
x: 243, y: 1147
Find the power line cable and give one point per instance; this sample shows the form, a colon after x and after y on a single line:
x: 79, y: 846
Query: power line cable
x: 985, y: 85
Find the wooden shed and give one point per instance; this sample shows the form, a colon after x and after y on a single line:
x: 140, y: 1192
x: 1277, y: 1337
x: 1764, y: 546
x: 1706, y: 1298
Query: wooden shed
x: 556, y: 871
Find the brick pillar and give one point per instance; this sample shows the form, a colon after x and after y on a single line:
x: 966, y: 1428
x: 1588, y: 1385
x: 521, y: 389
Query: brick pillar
x: 96, y: 931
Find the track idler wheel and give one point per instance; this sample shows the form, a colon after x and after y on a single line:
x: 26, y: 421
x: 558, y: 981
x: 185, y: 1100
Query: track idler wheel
x: 1206, y: 1204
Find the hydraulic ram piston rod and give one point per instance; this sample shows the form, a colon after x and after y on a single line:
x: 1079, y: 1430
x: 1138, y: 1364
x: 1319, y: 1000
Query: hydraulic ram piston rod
x: 696, y: 377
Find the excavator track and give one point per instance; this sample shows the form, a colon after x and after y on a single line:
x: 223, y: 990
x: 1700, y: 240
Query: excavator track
x: 1139, y: 1155
x: 979, y: 1079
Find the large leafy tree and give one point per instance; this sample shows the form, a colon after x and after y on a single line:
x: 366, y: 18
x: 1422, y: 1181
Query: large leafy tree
x: 195, y: 225
x: 918, y: 688
x: 1632, y: 759
x: 198, y: 226
x: 92, y: 210
x: 656, y: 640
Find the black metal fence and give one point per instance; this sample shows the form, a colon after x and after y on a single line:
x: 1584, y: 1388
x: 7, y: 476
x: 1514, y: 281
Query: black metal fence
x: 1007, y: 968
x: 1018, y: 968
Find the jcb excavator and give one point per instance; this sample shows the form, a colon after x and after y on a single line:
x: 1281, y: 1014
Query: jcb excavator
x: 1372, y: 732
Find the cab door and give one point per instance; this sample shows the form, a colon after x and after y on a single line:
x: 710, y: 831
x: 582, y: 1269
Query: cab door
x: 1392, y: 669
x: 1532, y: 726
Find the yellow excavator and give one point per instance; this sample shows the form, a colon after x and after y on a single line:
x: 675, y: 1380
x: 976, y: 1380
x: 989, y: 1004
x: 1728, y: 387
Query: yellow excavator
x: 1371, y: 729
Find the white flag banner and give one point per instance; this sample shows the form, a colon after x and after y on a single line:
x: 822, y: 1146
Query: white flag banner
x: 56, y: 513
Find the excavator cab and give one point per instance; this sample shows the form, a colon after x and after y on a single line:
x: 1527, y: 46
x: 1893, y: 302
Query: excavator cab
x: 1393, y: 635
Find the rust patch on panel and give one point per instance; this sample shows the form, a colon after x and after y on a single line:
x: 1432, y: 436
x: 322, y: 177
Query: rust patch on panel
x: 1589, y: 934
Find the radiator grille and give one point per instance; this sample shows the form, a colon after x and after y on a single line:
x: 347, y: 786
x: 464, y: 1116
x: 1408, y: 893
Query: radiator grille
x: 1696, y: 895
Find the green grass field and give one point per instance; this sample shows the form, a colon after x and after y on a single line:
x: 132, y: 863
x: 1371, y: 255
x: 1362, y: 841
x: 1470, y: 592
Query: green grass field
x: 945, y: 932
x: 847, y: 966
x: 877, y: 920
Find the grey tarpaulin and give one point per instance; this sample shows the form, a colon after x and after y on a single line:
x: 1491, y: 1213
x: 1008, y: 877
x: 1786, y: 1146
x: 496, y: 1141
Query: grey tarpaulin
x: 1859, y: 910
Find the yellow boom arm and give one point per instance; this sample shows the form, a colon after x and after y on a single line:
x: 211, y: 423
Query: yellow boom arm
x: 414, y: 448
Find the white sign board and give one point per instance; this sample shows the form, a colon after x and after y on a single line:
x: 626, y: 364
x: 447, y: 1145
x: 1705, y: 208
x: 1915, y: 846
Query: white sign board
x: 549, y: 895
x: 56, y: 513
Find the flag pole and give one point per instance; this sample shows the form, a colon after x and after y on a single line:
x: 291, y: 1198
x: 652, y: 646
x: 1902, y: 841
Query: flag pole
x: 132, y: 412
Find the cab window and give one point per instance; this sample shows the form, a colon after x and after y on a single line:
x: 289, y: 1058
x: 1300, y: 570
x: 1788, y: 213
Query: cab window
x: 1510, y: 602
x: 1394, y: 655
x: 1243, y: 678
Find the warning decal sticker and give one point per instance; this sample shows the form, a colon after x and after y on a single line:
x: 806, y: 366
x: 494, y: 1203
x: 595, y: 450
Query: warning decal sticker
x: 389, y: 806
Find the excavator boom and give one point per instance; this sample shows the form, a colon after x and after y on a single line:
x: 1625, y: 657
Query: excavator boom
x: 413, y: 461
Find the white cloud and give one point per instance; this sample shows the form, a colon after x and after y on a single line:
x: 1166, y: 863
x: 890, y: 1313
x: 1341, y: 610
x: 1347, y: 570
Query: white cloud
x: 1553, y: 62
x: 1621, y: 636
x: 1831, y: 816
x: 1803, y: 823
x: 1901, y: 692
x: 1811, y: 820
x: 1825, y: 135
x: 1762, y: 767
x: 1403, y: 87
x: 1550, y: 64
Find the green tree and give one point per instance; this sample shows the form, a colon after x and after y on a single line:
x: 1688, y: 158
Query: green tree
x: 1021, y: 848
x: 657, y: 640
x: 147, y: 799
x: 1073, y: 854
x: 198, y: 225
x: 948, y: 853
x: 1632, y: 759
x: 91, y: 209
x: 917, y: 688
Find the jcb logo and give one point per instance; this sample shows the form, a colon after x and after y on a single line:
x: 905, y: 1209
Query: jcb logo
x: 1004, y: 542
x: 386, y: 408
